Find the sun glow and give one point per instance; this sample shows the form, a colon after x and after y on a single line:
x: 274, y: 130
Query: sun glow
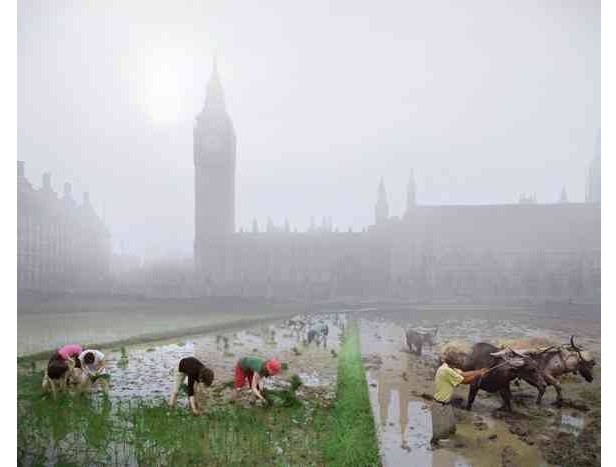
x: 163, y: 95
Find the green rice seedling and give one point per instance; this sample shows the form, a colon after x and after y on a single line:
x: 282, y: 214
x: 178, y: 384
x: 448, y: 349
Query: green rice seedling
x: 296, y: 382
x: 105, y: 376
x: 123, y: 361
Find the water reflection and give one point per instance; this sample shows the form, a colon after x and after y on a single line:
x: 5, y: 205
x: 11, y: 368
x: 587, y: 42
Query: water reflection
x: 404, y: 425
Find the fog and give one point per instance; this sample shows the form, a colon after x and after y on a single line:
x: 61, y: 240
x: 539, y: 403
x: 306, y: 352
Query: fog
x: 483, y: 100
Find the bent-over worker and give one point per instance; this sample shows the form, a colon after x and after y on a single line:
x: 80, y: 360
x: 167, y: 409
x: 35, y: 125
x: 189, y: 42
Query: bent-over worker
x: 254, y: 369
x: 198, y: 374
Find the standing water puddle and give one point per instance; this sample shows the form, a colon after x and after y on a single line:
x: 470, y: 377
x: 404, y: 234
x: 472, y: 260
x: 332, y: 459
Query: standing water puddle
x: 571, y: 422
x: 405, y: 428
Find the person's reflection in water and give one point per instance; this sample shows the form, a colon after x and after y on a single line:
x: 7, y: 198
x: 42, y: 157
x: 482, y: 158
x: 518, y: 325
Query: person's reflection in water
x: 386, y: 388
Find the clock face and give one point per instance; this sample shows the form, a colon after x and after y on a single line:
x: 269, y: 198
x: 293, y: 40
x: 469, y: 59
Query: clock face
x: 212, y: 142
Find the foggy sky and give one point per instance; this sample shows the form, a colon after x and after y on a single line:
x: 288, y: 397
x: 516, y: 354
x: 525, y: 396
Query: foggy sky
x: 483, y: 100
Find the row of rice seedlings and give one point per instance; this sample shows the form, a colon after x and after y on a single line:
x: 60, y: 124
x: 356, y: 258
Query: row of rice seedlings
x: 91, y: 431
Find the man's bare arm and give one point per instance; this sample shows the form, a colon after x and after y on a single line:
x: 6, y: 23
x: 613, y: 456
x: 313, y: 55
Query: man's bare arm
x: 472, y: 376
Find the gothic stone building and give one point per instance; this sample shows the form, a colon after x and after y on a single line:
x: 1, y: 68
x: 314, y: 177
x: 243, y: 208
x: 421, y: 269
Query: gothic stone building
x: 499, y: 252
x: 61, y: 246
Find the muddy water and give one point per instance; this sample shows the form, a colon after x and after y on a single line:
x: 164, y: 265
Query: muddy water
x: 147, y: 370
x: 397, y: 380
x: 570, y: 421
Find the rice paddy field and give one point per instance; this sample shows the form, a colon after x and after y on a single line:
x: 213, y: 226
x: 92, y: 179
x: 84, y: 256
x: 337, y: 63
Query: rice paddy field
x: 133, y: 424
x: 358, y: 398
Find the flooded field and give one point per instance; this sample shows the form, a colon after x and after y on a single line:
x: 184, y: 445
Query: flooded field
x: 145, y: 371
x: 44, y: 324
x: 399, y: 385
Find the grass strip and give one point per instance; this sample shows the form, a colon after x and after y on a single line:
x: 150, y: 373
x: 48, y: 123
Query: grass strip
x: 352, y: 440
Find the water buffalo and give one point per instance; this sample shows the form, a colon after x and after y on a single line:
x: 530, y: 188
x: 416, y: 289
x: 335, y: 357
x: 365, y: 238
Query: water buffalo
x: 555, y: 361
x: 506, y: 366
x: 296, y: 327
x: 417, y: 339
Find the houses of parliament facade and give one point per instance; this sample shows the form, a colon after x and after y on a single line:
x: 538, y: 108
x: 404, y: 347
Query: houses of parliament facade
x: 452, y: 252
x: 62, y: 245
x: 455, y: 252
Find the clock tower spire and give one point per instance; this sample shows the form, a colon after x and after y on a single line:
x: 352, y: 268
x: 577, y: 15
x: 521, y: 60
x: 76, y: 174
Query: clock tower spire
x: 214, y: 160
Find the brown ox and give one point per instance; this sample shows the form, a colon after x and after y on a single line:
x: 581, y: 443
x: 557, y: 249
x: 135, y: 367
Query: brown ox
x: 554, y: 362
x: 505, y: 366
x: 417, y: 339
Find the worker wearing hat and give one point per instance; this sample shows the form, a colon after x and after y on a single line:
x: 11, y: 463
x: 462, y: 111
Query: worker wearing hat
x: 254, y: 369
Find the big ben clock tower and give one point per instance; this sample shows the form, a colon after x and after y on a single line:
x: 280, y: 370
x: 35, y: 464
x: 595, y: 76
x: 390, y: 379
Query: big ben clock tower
x: 214, y: 158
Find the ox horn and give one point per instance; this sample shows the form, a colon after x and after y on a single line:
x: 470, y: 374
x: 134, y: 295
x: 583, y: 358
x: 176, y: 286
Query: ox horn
x: 577, y: 349
x: 518, y: 353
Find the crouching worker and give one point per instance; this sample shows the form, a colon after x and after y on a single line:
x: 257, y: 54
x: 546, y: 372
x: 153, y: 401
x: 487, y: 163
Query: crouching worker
x: 197, y: 374
x: 60, y: 367
x: 92, y: 364
x: 446, y: 379
x: 253, y: 370
x: 318, y: 334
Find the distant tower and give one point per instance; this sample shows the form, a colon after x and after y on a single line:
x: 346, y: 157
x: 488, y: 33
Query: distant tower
x: 563, y: 196
x: 410, y: 194
x: 381, y: 211
x: 593, y: 177
x: 214, y: 158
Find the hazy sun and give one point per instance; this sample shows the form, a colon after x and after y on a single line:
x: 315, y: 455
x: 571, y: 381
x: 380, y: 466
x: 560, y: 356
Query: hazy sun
x: 163, y: 95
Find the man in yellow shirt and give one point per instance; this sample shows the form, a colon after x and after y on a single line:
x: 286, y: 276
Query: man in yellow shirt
x: 446, y: 379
